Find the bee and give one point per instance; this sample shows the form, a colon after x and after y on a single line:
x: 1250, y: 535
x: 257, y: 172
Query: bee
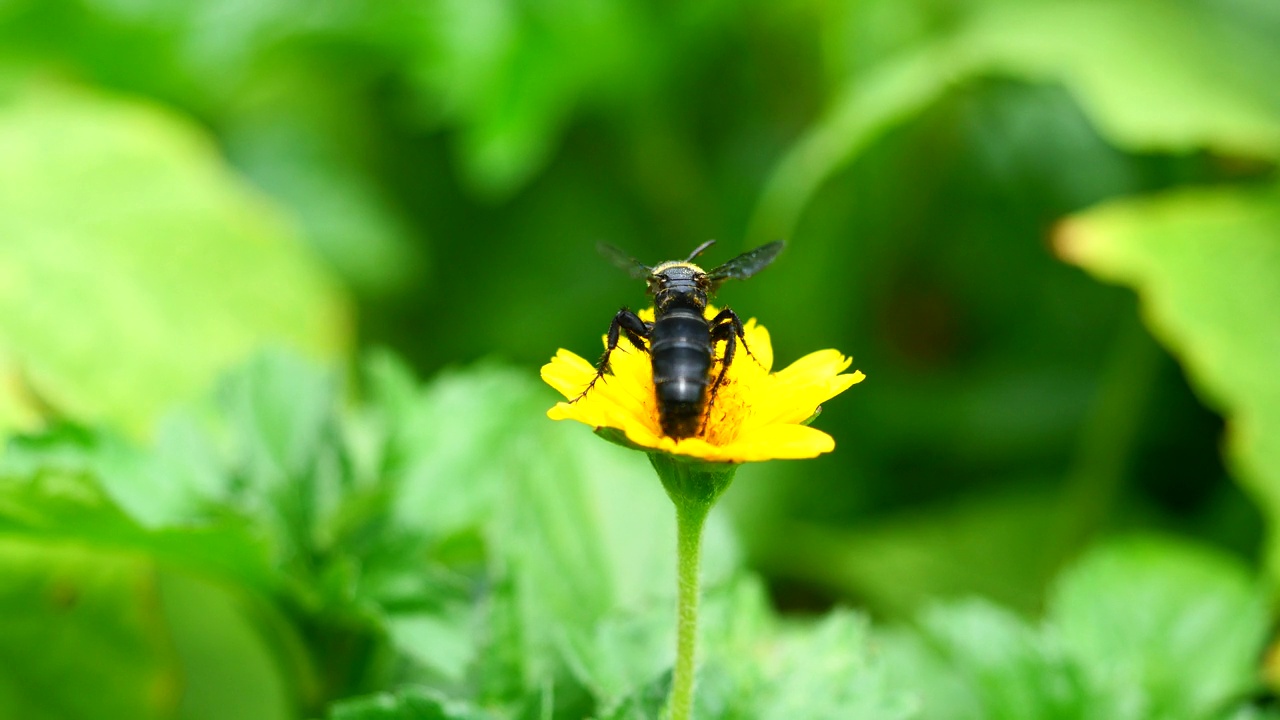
x: 681, y: 341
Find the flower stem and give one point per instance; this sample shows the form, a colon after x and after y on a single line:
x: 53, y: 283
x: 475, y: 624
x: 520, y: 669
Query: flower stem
x: 689, y: 521
x: 693, y: 488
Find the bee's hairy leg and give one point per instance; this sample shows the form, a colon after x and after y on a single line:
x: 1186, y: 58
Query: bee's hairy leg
x: 624, y: 323
x: 727, y: 318
x: 727, y: 333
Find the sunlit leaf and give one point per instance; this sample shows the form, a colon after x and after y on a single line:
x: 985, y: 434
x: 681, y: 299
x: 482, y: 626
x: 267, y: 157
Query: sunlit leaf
x: 1206, y: 267
x: 1136, y: 630
x: 81, y: 635
x: 406, y: 704
x: 230, y: 666
x: 69, y: 503
x: 830, y: 672
x: 1164, y: 630
x: 1194, y: 87
x: 155, y: 266
x: 977, y: 661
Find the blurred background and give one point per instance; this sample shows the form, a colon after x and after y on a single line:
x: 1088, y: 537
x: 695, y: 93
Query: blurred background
x: 181, y: 183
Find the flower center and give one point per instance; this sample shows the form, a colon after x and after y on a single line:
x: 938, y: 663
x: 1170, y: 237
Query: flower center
x: 727, y: 407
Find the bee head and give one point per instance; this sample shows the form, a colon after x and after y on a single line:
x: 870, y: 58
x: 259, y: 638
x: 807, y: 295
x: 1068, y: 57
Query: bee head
x: 679, y: 277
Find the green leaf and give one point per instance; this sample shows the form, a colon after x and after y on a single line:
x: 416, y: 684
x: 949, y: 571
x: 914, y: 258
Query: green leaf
x: 578, y: 535
x: 229, y: 667
x: 406, y: 704
x: 214, y: 588
x: 303, y: 139
x: 1200, y: 84
x: 859, y: 114
x: 972, y: 545
x: 442, y: 640
x: 1166, y: 630
x: 1255, y: 713
x: 125, y: 224
x: 754, y: 670
x: 588, y: 536
x: 454, y: 442
x: 1206, y: 267
x: 828, y: 672
x: 1141, y: 629
x: 645, y: 703
x: 980, y: 662
x: 81, y: 635
x: 284, y: 468
x: 512, y: 76
x: 69, y: 503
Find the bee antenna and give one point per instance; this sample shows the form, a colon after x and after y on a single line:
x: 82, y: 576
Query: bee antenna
x: 698, y: 250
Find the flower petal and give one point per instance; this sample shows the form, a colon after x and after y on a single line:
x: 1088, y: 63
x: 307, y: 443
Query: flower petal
x: 780, y: 442
x: 568, y: 373
x: 795, y: 399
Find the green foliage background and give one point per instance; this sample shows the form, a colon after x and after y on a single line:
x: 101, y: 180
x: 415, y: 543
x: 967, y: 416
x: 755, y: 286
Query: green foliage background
x: 276, y: 278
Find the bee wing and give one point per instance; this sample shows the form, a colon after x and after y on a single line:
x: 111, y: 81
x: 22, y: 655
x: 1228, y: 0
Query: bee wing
x: 634, y: 267
x: 747, y: 264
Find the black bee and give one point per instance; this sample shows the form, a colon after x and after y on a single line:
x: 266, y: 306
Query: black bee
x: 681, y: 341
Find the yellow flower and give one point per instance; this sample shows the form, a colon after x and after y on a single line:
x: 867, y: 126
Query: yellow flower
x: 755, y: 415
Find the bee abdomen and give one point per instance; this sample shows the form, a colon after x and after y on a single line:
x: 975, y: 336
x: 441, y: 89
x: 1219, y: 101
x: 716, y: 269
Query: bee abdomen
x: 680, y: 420
x: 681, y: 401
x: 680, y: 347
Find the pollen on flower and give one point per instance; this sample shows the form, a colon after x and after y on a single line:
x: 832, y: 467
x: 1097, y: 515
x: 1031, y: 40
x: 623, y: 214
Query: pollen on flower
x: 754, y: 415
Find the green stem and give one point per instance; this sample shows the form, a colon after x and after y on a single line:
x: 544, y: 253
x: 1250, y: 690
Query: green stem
x: 693, y: 487
x: 690, y: 518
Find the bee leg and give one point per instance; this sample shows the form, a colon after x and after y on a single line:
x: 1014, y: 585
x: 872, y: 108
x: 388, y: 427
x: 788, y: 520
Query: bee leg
x: 727, y: 333
x: 624, y: 323
x: 729, y: 318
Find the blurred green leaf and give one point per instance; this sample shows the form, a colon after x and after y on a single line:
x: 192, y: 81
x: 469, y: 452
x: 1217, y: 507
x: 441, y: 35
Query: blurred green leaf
x: 156, y: 267
x: 81, y: 634
x: 857, y: 116
x: 232, y: 667
x: 1165, y: 630
x: 998, y: 668
x: 1255, y: 713
x: 511, y: 76
x: 442, y: 639
x: 1165, y: 77
x: 1152, y: 77
x: 1141, y: 629
x: 69, y: 503
x: 588, y: 535
x: 406, y: 704
x: 829, y: 672
x: 303, y: 140
x: 892, y: 562
x: 645, y: 703
x: 1206, y: 267
x: 286, y: 501
x: 233, y: 652
x: 286, y: 465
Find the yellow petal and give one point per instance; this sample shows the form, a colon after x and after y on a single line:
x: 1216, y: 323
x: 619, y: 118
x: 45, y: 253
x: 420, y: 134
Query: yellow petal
x: 795, y: 400
x: 781, y: 442
x: 568, y: 373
